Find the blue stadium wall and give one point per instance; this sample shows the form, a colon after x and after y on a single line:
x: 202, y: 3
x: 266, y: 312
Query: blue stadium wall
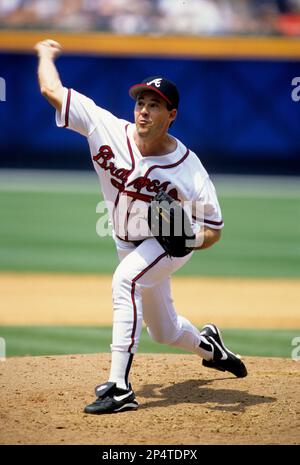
x: 237, y: 115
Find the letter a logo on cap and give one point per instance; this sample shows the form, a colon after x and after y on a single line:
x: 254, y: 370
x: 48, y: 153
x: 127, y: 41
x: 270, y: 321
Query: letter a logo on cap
x: 156, y: 82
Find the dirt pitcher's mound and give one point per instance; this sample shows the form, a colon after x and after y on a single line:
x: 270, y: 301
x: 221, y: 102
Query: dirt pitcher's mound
x: 42, y: 400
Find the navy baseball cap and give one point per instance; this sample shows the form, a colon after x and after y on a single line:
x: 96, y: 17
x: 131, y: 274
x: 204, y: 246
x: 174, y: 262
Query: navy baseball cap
x: 162, y: 86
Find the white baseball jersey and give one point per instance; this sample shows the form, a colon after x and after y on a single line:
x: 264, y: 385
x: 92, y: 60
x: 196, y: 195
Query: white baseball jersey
x: 127, y: 178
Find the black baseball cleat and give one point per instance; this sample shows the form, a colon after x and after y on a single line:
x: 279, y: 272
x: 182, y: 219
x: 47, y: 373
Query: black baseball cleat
x: 111, y: 399
x: 223, y: 359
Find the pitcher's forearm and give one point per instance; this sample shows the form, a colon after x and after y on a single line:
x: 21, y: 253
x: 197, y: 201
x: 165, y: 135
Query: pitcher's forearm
x: 207, y: 237
x: 48, y: 76
x: 49, y: 80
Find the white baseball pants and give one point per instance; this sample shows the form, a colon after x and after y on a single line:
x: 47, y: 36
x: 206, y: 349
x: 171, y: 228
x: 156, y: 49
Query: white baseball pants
x: 141, y: 291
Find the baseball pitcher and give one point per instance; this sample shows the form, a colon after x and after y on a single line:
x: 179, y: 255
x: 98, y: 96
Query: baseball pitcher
x: 162, y: 207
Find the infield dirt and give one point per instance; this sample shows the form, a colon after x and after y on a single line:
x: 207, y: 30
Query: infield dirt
x: 42, y: 401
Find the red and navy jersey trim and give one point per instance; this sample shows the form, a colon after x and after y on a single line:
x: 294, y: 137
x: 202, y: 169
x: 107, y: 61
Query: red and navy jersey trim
x: 172, y: 165
x: 130, y: 151
x: 213, y: 223
x: 208, y: 222
x: 67, y: 109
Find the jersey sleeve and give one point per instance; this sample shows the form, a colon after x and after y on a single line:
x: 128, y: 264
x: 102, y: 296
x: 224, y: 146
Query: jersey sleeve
x: 207, y: 210
x: 81, y: 114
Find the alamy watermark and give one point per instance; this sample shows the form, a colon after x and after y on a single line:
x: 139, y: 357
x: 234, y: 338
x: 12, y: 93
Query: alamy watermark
x: 296, y: 91
x: 2, y: 349
x: 2, y: 90
x: 131, y: 220
x: 296, y: 351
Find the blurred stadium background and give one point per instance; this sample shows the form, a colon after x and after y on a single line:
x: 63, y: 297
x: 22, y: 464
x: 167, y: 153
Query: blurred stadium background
x: 234, y: 63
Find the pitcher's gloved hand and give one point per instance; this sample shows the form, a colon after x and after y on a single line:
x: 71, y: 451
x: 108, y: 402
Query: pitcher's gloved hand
x: 170, y: 225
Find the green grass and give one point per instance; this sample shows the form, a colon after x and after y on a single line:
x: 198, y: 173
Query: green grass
x: 56, y: 340
x: 48, y: 224
x: 53, y: 232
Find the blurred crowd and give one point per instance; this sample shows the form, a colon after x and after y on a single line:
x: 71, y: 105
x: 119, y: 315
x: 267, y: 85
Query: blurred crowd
x: 184, y: 17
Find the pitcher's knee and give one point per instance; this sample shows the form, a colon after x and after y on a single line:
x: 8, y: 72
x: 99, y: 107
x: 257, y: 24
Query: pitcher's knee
x: 162, y: 337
